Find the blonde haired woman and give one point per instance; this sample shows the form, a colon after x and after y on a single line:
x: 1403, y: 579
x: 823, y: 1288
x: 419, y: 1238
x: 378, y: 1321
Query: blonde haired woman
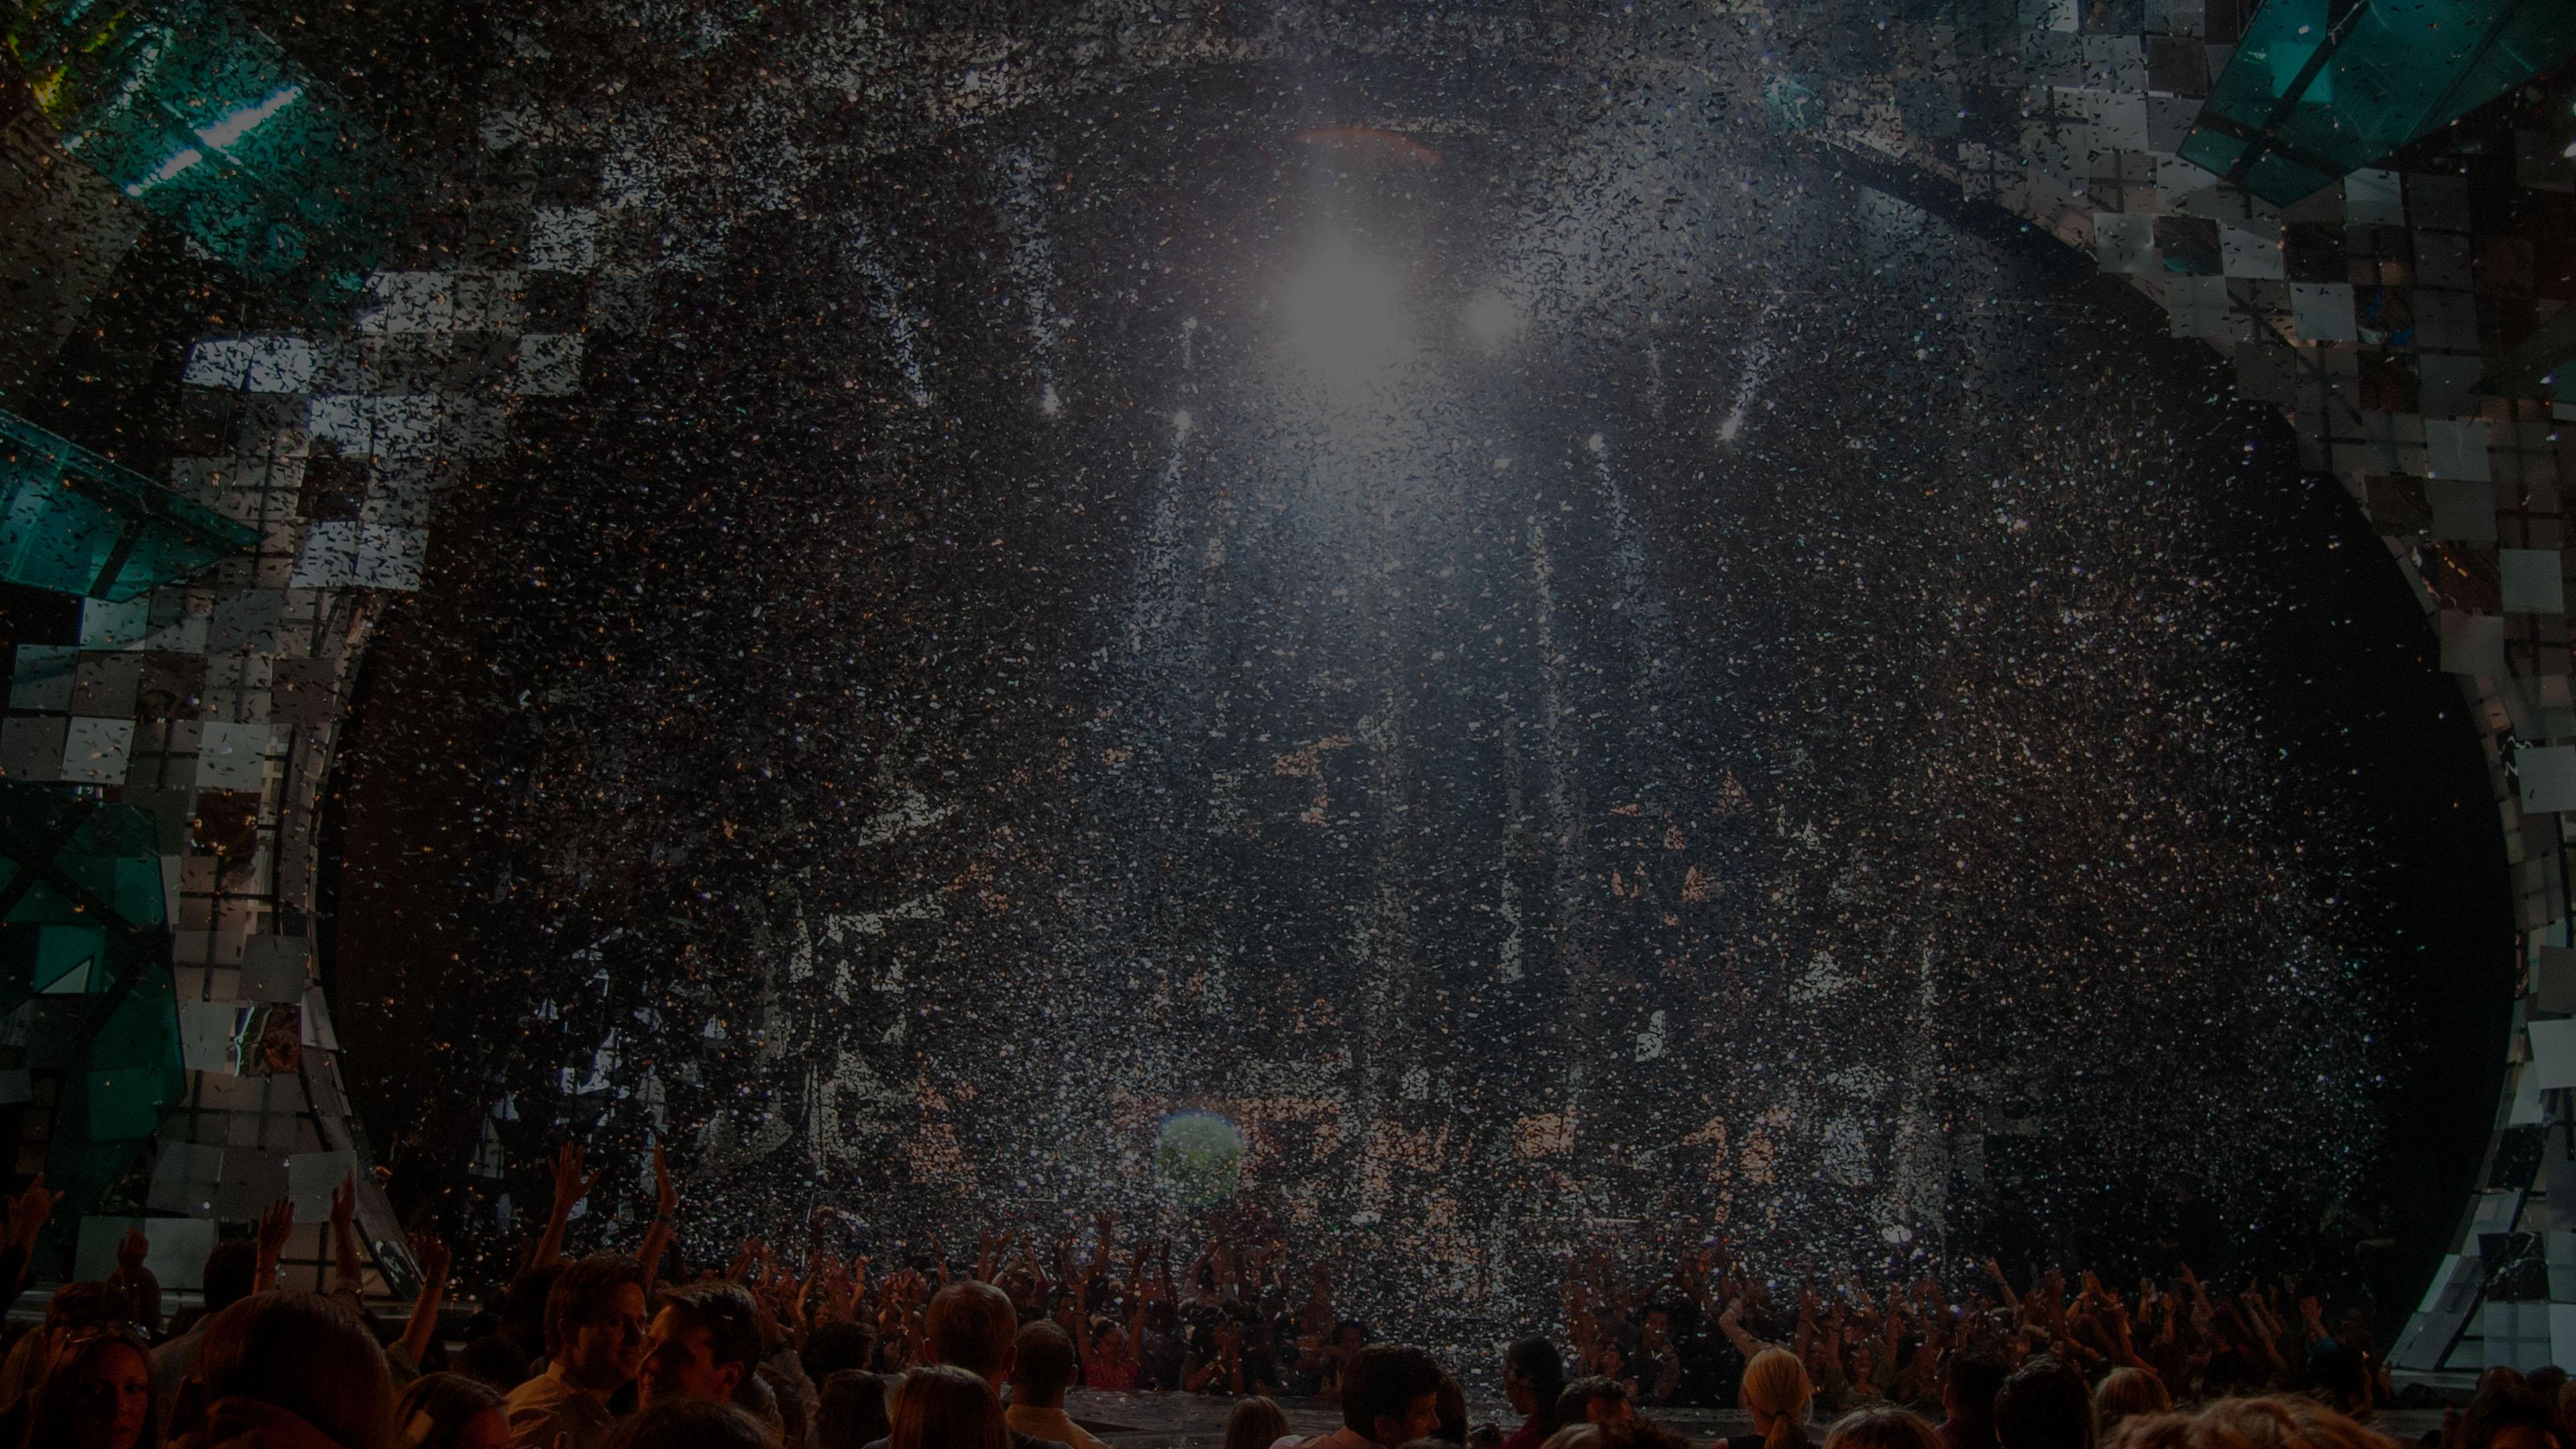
x: 1777, y: 1393
x: 2126, y: 1393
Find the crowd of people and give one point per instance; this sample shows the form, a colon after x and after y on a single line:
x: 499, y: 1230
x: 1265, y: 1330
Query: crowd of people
x: 814, y: 1351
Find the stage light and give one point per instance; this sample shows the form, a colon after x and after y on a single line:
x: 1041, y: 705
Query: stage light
x: 1345, y: 316
x: 1491, y: 320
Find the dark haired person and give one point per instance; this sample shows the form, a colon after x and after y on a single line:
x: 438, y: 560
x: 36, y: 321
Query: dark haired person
x: 228, y: 1278
x: 595, y: 1336
x: 1390, y: 1397
x: 451, y: 1411
x: 1968, y: 1389
x: 1041, y: 1372
x: 286, y: 1369
x: 1533, y: 1381
x: 2044, y: 1405
x: 1595, y: 1399
x: 689, y: 1424
x: 702, y: 1345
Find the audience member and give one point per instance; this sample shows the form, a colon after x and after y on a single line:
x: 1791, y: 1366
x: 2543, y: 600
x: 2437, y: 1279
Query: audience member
x: 1777, y: 1393
x: 2288, y: 1421
x: 289, y: 1371
x: 1390, y: 1397
x: 2506, y: 1415
x: 853, y: 1413
x: 1533, y: 1382
x: 2124, y: 1393
x: 1255, y: 1423
x: 689, y: 1424
x: 450, y: 1411
x: 947, y: 1406
x: 1968, y: 1391
x: 973, y: 1326
x: 595, y: 1343
x: 97, y: 1394
x: 1881, y: 1428
x: 1041, y: 1371
x: 700, y: 1346
x: 1594, y: 1399
x: 2044, y: 1405
x: 227, y: 1279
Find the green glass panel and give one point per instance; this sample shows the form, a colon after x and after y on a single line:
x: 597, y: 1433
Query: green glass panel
x: 73, y: 522
x: 191, y: 111
x: 63, y: 952
x: 83, y: 883
x: 2315, y: 90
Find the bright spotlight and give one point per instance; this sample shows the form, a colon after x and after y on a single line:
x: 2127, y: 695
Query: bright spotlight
x: 1491, y: 319
x: 1345, y: 315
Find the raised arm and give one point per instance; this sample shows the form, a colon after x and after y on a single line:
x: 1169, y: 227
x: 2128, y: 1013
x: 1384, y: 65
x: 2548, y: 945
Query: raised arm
x: 570, y: 1188
x: 666, y: 1207
x: 276, y: 1222
x: 348, y: 1278
x: 435, y: 1260
x: 137, y: 1279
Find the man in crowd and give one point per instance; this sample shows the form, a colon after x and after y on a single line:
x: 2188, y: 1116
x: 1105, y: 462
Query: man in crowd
x: 1039, y: 1377
x: 1390, y: 1397
x: 702, y: 1345
x: 973, y: 1326
x: 1968, y: 1392
x: 595, y: 1337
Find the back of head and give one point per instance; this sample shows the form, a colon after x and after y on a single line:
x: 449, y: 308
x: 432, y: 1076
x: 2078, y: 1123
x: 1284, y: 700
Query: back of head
x: 725, y: 1310
x: 87, y: 1304
x: 1256, y: 1423
x: 1537, y: 1366
x: 1881, y: 1429
x: 1382, y: 1381
x: 1574, y: 1402
x: 1975, y: 1376
x: 585, y: 1292
x: 853, y: 1412
x: 1573, y: 1436
x: 947, y: 1407
x: 2125, y: 1393
x: 1776, y: 1386
x: 1635, y: 1433
x: 2044, y: 1405
x: 972, y: 1326
x: 2507, y: 1406
x: 230, y: 1268
x: 433, y: 1412
x: 304, y: 1353
x: 523, y: 1308
x: 2274, y: 1422
x: 837, y: 1346
x: 1044, y: 1367
x: 494, y: 1360
x: 689, y: 1424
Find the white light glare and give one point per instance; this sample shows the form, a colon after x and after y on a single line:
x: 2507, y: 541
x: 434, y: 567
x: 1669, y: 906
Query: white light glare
x: 1345, y: 315
x: 1490, y: 319
x: 1181, y: 423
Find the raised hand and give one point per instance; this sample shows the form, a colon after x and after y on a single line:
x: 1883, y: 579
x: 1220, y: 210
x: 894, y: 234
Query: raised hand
x: 571, y: 1186
x: 434, y: 1256
x: 276, y: 1222
x: 344, y: 1204
x: 28, y: 1211
x: 131, y: 1250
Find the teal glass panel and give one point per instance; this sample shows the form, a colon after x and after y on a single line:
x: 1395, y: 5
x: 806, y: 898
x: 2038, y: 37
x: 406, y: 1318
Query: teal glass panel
x: 82, y: 883
x: 206, y: 122
x: 2318, y: 88
x: 73, y: 522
